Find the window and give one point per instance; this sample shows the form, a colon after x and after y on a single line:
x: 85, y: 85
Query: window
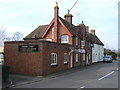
x: 82, y: 43
x: 65, y: 58
x: 53, y: 59
x: 64, y: 39
x: 76, y: 57
x: 76, y: 41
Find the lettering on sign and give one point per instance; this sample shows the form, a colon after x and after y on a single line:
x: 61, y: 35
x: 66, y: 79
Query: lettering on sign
x: 28, y: 48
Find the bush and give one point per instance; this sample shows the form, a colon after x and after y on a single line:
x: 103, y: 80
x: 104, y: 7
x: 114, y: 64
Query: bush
x: 5, y: 72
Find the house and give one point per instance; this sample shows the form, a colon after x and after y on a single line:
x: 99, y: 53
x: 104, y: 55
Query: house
x: 51, y: 48
x: 63, y: 31
x: 97, y: 48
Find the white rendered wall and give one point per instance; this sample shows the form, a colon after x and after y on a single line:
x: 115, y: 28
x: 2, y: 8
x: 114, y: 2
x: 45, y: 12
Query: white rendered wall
x: 97, y: 53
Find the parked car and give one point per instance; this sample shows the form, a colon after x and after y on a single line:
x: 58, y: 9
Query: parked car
x: 107, y: 59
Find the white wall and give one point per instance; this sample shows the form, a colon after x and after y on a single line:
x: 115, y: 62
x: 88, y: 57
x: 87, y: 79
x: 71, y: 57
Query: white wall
x: 97, y: 53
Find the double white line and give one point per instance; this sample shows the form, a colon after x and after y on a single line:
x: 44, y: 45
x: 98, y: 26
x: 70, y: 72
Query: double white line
x: 106, y: 75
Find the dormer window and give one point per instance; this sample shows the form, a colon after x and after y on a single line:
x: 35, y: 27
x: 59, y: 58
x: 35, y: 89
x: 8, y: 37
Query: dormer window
x: 64, y: 39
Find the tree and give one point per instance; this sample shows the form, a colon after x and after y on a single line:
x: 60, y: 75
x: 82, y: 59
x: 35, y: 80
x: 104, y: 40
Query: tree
x: 3, y: 36
x: 110, y: 52
x: 17, y: 36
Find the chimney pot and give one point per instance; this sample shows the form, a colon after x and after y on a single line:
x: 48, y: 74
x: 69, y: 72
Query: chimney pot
x: 82, y: 22
x: 68, y: 17
x: 92, y: 31
x: 87, y: 28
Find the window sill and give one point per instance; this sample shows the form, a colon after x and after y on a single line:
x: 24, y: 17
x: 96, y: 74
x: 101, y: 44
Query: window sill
x: 66, y: 63
x: 53, y: 65
x: 64, y: 42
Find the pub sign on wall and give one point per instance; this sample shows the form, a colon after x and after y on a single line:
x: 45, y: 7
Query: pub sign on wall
x: 28, y: 48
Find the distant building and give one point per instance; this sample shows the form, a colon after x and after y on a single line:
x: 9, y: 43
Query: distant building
x: 1, y: 54
x: 51, y: 48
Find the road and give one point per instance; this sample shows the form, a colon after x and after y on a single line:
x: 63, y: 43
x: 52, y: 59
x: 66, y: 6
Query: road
x: 99, y: 75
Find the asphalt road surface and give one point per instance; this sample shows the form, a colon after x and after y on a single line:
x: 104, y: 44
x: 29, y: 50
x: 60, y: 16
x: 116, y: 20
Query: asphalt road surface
x: 99, y: 75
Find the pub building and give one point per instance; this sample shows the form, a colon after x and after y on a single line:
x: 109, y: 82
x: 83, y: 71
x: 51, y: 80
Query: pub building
x: 51, y: 48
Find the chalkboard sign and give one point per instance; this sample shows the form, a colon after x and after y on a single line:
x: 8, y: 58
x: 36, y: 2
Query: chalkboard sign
x: 28, y: 48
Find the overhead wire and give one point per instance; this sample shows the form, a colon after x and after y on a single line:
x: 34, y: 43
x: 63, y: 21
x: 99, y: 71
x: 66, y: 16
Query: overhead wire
x: 72, y: 6
x: 21, y: 11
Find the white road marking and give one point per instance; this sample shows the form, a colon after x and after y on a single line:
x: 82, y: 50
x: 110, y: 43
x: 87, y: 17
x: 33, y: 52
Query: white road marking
x: 80, y: 88
x: 106, y: 75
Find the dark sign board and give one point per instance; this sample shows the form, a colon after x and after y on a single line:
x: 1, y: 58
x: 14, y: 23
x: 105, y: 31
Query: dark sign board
x: 28, y: 48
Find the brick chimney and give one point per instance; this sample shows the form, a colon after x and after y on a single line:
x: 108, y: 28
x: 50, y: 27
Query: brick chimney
x: 87, y: 28
x: 56, y: 10
x: 92, y: 31
x: 68, y: 17
x: 56, y: 15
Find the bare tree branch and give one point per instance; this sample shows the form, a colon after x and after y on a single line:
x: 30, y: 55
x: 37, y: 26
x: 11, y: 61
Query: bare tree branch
x: 17, y: 36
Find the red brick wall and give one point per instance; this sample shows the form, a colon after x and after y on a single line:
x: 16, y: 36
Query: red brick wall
x: 54, y: 48
x: 60, y: 32
x: 23, y: 62
x: 37, y: 63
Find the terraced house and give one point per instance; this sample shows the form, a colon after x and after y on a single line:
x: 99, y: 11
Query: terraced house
x: 51, y: 48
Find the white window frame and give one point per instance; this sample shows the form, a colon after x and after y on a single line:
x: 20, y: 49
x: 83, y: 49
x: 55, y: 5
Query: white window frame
x: 64, y: 39
x: 65, y: 58
x: 82, y: 43
x: 76, y: 41
x: 53, y: 59
x: 76, y: 57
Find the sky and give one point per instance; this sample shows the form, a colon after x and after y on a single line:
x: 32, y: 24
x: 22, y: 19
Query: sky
x: 26, y: 15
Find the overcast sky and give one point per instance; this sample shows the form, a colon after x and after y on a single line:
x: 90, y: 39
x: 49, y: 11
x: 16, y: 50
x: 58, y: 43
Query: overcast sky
x: 26, y: 15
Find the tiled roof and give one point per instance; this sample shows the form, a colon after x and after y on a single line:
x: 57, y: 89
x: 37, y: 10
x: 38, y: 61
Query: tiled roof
x: 37, y: 33
x: 95, y: 39
x: 42, y: 28
x: 71, y: 28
